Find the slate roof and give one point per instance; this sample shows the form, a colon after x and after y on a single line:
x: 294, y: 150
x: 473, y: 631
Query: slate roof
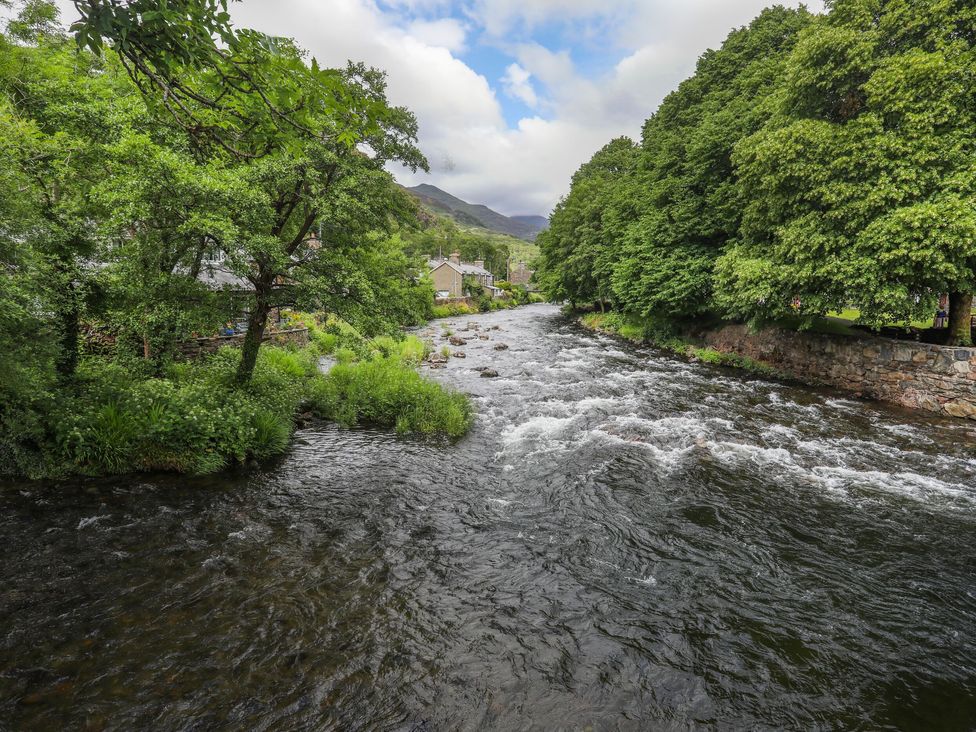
x: 463, y: 268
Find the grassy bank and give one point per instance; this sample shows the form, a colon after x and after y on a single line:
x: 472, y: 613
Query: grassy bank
x: 195, y: 419
x: 648, y: 331
x: 517, y: 297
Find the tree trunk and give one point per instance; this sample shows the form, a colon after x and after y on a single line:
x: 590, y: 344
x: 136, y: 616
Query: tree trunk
x: 70, y: 318
x: 256, y: 323
x: 960, y: 319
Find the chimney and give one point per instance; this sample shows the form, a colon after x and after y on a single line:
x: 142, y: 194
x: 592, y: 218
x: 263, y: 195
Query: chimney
x: 479, y: 263
x: 456, y: 257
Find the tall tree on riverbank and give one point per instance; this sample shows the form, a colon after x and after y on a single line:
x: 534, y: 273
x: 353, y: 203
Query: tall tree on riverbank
x: 645, y: 235
x: 861, y: 190
x: 68, y: 107
x: 692, y: 203
x: 322, y: 169
x: 578, y: 248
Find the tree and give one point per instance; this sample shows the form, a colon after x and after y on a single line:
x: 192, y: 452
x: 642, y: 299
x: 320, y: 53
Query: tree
x: 69, y: 108
x: 576, y: 250
x: 160, y: 213
x: 861, y: 187
x: 332, y: 179
x: 642, y: 227
x: 687, y: 200
x: 369, y: 281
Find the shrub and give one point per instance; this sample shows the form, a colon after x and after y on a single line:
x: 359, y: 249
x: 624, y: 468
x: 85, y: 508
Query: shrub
x: 413, y: 350
x: 197, y: 419
x: 347, y: 337
x: 385, y: 345
x: 387, y: 393
x: 453, y: 309
x: 345, y: 355
x: 271, y: 435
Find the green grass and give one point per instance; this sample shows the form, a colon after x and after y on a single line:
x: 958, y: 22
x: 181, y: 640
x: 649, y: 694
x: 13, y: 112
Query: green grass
x: 659, y: 333
x: 196, y: 419
x: 386, y: 393
x: 850, y: 315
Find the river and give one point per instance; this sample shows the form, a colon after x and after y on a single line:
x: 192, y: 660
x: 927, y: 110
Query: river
x: 624, y: 541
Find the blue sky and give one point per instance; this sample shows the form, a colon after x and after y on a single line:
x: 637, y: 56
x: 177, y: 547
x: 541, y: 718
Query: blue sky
x: 512, y: 96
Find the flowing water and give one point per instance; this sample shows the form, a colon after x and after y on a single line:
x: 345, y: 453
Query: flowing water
x: 624, y: 541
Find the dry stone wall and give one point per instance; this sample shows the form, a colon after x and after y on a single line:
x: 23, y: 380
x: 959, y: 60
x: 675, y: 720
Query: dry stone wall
x: 196, y: 347
x: 938, y: 379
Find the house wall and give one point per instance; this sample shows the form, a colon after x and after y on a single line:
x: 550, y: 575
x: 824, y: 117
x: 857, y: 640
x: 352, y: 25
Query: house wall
x: 938, y: 379
x: 520, y: 274
x: 447, y: 278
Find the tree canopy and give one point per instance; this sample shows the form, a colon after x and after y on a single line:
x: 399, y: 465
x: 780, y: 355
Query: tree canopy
x: 111, y: 204
x: 811, y: 164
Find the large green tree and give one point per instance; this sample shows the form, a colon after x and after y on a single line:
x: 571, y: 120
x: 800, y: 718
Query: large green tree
x: 322, y: 169
x: 578, y: 248
x: 642, y: 227
x: 861, y: 190
x: 69, y: 107
x: 688, y: 198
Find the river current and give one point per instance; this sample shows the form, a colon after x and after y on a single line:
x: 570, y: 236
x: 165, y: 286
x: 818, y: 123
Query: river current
x: 624, y: 541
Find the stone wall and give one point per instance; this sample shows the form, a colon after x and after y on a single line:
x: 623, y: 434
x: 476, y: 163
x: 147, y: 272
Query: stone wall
x: 469, y: 301
x: 196, y: 347
x: 917, y: 375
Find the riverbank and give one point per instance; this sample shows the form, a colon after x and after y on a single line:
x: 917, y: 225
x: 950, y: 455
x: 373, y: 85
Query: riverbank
x: 194, y: 418
x: 518, y: 297
x: 649, y: 333
x: 922, y: 376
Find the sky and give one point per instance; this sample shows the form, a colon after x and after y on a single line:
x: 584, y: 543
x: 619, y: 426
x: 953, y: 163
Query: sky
x: 512, y: 96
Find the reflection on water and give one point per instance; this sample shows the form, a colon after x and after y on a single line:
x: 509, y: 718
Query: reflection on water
x: 625, y: 541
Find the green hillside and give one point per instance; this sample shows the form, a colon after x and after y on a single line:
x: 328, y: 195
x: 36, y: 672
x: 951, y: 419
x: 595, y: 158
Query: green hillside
x: 442, y: 234
x: 477, y: 215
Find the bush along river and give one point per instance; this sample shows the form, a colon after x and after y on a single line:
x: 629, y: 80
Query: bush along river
x: 624, y: 541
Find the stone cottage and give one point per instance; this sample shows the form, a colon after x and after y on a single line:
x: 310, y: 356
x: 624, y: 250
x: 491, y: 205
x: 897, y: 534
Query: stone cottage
x: 448, y: 276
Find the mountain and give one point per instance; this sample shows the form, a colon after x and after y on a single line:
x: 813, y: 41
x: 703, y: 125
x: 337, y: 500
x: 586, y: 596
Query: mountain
x: 471, y: 214
x: 537, y: 222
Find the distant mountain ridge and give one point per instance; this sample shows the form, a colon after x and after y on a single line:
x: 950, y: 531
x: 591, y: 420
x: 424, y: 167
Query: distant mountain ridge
x: 472, y: 214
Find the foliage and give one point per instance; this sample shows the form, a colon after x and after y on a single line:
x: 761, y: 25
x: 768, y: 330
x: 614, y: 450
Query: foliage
x: 812, y: 164
x: 387, y: 393
x: 866, y: 169
x: 661, y: 333
x: 114, y: 197
x: 197, y: 419
x: 453, y: 309
x: 643, y: 225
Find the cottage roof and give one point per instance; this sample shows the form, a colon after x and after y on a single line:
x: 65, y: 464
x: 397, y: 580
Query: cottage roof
x: 464, y: 268
x: 435, y: 263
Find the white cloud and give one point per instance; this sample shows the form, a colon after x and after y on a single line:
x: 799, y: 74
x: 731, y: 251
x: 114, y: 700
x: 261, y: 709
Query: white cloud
x: 518, y: 84
x: 448, y: 33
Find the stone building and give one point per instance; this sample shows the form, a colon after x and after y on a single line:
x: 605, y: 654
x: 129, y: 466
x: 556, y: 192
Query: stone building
x: 449, y: 274
x: 520, y: 274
